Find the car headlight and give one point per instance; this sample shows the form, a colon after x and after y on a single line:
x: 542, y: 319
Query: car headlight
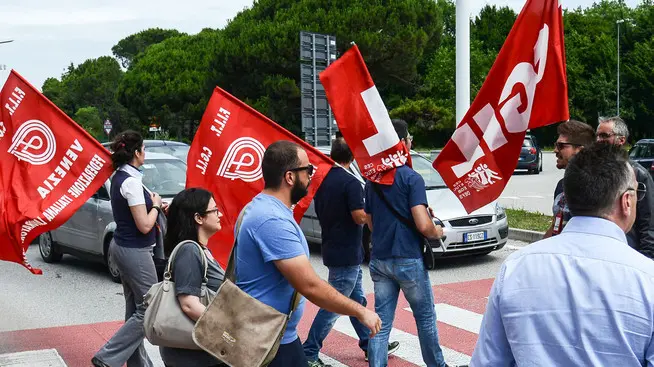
x: 499, y: 212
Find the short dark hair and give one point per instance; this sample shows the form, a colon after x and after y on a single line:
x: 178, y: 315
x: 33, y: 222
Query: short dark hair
x: 181, y: 217
x: 577, y: 132
x: 595, y: 177
x: 401, y: 128
x: 341, y: 152
x: 124, y: 146
x: 280, y: 157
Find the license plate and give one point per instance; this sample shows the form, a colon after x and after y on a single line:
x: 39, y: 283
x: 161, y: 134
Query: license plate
x: 474, y: 236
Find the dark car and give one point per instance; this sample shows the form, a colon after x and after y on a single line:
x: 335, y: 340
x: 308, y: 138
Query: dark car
x: 531, y: 156
x: 175, y: 148
x: 643, y: 153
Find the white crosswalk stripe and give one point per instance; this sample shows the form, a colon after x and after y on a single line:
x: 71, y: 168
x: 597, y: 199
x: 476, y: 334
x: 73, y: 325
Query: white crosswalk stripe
x: 409, y: 344
x: 457, y: 317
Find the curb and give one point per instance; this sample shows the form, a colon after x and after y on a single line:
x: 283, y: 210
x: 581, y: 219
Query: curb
x: 525, y: 235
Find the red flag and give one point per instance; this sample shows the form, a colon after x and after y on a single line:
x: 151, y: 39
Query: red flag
x: 525, y: 88
x: 49, y: 166
x: 226, y: 156
x: 363, y: 119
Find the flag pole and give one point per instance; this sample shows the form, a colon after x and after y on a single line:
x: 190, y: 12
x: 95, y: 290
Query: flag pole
x: 462, y: 58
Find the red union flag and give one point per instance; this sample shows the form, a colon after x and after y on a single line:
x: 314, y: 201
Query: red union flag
x: 49, y: 166
x: 226, y: 156
x: 363, y: 119
x: 525, y: 88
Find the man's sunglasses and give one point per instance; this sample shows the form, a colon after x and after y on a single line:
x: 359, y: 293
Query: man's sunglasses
x: 310, y: 168
x: 561, y: 145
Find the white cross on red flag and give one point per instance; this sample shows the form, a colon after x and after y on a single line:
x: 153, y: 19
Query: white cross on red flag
x: 363, y: 119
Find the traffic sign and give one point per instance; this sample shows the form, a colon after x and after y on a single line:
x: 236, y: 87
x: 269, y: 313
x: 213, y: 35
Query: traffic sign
x: 108, y: 126
x: 155, y: 128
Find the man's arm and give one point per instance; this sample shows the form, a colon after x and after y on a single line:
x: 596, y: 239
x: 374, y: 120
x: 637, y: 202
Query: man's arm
x: 299, y: 272
x: 424, y: 223
x: 359, y: 216
x: 493, y: 347
x: 644, y: 219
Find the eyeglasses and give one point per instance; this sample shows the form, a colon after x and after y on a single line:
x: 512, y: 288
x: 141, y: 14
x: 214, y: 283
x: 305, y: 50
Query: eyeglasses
x: 560, y: 145
x: 641, y: 190
x: 309, y: 168
x: 214, y: 210
x: 605, y: 136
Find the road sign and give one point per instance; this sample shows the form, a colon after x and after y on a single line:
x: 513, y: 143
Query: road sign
x: 108, y: 126
x: 155, y: 128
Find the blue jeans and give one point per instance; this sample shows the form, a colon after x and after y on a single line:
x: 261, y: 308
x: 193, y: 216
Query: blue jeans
x: 409, y: 275
x: 348, y: 281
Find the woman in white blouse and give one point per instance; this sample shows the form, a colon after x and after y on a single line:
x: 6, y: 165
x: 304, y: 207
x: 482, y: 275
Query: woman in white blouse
x: 135, y: 212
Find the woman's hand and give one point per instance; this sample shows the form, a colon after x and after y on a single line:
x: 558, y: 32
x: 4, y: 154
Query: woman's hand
x: 156, y: 199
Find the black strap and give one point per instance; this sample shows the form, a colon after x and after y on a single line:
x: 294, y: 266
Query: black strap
x: 230, y: 272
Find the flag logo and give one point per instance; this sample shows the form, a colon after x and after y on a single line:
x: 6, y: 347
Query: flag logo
x: 34, y: 143
x: 243, y: 160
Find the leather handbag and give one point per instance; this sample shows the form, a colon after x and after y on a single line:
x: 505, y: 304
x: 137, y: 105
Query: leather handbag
x: 236, y: 328
x: 428, y: 258
x: 165, y: 323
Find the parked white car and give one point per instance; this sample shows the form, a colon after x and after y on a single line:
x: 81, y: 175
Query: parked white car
x: 478, y: 233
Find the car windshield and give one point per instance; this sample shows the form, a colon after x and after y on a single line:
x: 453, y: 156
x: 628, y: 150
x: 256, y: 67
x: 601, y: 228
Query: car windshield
x: 165, y: 177
x: 423, y: 166
x: 641, y: 151
x: 177, y: 151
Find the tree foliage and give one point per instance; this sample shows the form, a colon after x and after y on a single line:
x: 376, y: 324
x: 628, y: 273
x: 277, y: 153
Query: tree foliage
x: 408, y: 45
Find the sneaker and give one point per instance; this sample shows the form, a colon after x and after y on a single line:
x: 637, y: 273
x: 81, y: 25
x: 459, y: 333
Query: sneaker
x: 318, y: 363
x: 392, y: 348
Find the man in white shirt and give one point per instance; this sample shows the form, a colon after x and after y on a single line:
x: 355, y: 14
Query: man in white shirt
x: 584, y: 297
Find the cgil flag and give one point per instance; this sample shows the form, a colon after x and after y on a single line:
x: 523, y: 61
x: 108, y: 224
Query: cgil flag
x: 525, y: 88
x: 225, y: 158
x: 49, y: 166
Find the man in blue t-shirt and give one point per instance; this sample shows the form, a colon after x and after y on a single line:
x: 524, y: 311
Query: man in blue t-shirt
x: 339, y: 206
x: 272, y: 256
x: 396, y: 259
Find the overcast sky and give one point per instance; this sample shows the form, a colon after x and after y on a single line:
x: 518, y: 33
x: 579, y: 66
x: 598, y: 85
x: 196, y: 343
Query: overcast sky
x: 49, y: 35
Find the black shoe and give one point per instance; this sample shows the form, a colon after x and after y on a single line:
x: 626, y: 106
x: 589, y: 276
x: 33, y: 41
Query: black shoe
x: 456, y: 365
x: 392, y: 348
x: 98, y: 363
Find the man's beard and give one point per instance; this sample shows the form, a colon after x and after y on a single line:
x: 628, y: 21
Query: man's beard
x: 298, y: 191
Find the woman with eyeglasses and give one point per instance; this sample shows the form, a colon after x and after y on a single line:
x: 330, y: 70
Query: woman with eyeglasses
x: 192, y: 219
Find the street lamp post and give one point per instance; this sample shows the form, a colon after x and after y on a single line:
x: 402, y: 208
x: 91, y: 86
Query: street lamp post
x: 618, y: 22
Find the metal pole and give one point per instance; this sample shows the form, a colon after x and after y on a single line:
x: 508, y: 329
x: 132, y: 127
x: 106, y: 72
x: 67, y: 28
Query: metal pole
x: 462, y: 58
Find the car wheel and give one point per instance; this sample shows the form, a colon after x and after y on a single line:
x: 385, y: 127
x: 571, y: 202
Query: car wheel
x: 111, y: 264
x: 48, y: 249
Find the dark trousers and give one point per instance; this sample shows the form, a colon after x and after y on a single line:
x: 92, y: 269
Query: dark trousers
x: 290, y: 355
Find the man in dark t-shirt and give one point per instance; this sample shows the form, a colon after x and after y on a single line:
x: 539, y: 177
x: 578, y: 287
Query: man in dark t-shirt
x: 339, y: 207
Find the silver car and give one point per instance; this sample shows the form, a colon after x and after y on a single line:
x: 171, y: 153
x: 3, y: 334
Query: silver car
x: 478, y: 233
x: 88, y: 232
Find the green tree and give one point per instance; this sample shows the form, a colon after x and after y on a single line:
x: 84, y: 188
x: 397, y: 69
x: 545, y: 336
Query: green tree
x: 89, y: 118
x: 127, y: 49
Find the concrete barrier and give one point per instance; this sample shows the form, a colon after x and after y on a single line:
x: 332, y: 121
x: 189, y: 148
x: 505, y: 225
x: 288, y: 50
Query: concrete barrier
x: 525, y: 235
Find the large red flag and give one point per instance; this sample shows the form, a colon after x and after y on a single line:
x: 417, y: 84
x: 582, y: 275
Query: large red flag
x: 49, y: 166
x: 363, y: 119
x: 525, y: 88
x: 226, y: 156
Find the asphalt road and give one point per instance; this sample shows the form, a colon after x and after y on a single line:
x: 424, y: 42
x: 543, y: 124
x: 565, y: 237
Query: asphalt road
x: 78, y: 292
x: 534, y: 193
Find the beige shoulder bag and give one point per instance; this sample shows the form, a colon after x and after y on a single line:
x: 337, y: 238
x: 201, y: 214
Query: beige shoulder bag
x: 237, y: 329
